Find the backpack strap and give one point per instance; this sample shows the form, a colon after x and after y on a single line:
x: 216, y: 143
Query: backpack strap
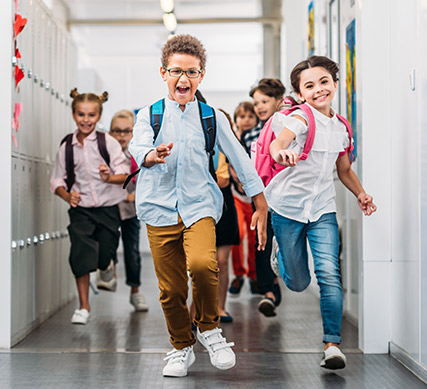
x: 69, y: 161
x: 350, y: 148
x: 208, y: 120
x: 156, y: 116
x: 311, y: 128
x: 102, y: 147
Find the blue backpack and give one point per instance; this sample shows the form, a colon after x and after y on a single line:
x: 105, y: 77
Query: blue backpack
x: 207, y: 119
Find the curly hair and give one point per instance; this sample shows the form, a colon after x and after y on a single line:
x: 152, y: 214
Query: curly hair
x: 183, y: 44
x: 87, y: 97
x: 272, y: 87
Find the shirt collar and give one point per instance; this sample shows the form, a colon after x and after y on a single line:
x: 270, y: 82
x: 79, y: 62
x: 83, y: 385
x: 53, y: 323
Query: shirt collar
x: 173, y: 104
x: 321, y: 117
x: 90, y: 137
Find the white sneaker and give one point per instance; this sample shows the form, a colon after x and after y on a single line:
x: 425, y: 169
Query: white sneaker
x: 138, y: 302
x: 105, y: 278
x: 274, y: 263
x: 220, y: 352
x: 333, y: 358
x: 80, y: 316
x: 178, y: 362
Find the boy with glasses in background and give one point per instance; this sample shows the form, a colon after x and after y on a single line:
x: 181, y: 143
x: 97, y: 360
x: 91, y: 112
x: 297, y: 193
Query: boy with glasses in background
x: 180, y: 201
x: 121, y: 129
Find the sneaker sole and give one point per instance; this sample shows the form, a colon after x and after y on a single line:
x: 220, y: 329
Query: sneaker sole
x: 183, y: 374
x: 334, y: 363
x: 225, y: 366
x: 267, y: 308
x: 107, y: 286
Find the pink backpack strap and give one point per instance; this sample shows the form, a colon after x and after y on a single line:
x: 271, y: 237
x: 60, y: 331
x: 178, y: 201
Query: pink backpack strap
x: 350, y: 148
x: 311, y: 128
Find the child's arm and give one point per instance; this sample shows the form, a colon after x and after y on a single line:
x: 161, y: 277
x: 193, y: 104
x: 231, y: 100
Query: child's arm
x: 279, y: 147
x: 350, y: 180
x: 72, y: 198
x: 259, y: 219
x: 104, y: 172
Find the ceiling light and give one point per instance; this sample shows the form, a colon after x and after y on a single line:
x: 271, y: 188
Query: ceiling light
x: 169, y: 20
x: 167, y: 5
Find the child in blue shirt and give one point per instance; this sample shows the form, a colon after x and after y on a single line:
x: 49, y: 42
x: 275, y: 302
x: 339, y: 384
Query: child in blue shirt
x: 180, y: 201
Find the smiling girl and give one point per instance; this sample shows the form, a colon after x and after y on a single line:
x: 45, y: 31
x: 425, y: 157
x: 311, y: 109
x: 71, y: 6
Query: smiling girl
x: 302, y: 197
x: 91, y: 193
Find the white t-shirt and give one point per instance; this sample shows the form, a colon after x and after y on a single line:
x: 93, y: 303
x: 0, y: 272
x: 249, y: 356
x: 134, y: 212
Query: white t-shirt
x: 306, y: 191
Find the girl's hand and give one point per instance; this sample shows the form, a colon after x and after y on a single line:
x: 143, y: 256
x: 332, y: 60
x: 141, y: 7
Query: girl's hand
x: 259, y: 221
x: 74, y: 199
x: 286, y: 157
x: 104, y: 172
x: 365, y: 203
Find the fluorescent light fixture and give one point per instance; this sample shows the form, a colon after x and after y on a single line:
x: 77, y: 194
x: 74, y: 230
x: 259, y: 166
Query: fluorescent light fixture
x: 169, y: 20
x: 167, y: 5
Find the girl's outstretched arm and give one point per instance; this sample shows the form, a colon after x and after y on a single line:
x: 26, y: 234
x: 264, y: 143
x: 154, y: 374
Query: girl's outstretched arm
x: 259, y: 219
x: 349, y: 179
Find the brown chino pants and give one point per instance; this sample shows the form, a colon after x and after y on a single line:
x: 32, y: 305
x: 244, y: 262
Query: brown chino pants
x: 176, y: 249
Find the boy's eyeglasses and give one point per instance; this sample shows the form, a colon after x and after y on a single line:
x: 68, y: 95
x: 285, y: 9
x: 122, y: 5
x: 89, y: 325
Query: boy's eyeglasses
x: 190, y: 73
x: 121, y: 132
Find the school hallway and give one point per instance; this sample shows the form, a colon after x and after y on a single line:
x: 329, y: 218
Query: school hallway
x: 120, y: 348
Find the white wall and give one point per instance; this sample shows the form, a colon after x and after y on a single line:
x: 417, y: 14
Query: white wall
x: 5, y: 151
x: 40, y: 278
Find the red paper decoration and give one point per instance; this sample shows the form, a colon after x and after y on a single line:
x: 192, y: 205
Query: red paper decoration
x: 19, y: 24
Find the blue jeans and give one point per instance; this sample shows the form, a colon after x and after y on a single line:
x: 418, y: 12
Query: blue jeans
x: 322, y: 236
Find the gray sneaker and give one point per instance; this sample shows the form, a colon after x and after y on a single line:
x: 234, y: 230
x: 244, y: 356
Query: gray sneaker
x: 333, y: 358
x: 138, y: 302
x: 274, y: 263
x: 105, y: 279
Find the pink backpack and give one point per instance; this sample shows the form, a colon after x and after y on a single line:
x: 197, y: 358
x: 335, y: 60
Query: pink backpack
x: 265, y: 165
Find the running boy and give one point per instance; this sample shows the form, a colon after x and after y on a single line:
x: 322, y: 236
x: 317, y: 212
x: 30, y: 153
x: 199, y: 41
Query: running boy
x: 180, y: 202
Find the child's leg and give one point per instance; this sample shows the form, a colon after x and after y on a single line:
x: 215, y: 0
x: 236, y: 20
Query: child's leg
x: 107, y: 233
x: 237, y: 253
x: 130, y: 236
x: 247, y: 210
x: 292, y: 255
x: 223, y: 253
x: 199, y: 247
x: 324, y: 244
x: 83, y: 290
x: 264, y: 274
x: 169, y: 260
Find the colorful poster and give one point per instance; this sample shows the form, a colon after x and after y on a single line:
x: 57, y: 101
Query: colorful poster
x: 311, y: 28
x: 350, y: 47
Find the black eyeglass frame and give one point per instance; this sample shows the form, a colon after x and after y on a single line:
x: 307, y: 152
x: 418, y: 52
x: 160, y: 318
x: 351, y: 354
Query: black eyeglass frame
x: 199, y: 72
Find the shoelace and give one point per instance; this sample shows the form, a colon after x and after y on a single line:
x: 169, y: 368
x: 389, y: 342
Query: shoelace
x: 176, y: 355
x: 139, y: 299
x: 215, y: 340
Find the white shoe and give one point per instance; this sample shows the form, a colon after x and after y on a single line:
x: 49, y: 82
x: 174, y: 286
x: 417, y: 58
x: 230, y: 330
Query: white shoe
x: 274, y: 263
x: 80, y: 316
x: 105, y: 278
x: 220, y: 352
x: 138, y: 301
x: 178, y: 362
x: 333, y: 358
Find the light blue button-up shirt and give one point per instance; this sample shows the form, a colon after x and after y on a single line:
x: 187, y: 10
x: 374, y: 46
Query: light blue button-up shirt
x: 183, y: 185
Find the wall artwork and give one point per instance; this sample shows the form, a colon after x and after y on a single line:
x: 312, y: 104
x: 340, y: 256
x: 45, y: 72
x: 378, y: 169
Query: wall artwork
x: 311, y: 28
x: 350, y: 48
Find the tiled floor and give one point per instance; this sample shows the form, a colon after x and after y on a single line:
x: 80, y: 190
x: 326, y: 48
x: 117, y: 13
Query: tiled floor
x: 123, y: 349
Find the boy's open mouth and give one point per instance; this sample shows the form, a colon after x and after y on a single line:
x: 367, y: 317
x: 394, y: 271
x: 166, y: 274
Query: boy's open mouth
x: 182, y: 89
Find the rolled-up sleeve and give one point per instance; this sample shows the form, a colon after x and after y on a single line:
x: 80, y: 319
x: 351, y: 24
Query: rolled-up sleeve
x: 281, y: 121
x: 142, y: 141
x: 230, y: 146
x: 59, y: 173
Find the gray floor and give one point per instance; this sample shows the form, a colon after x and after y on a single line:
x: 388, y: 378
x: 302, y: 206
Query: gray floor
x: 123, y: 349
